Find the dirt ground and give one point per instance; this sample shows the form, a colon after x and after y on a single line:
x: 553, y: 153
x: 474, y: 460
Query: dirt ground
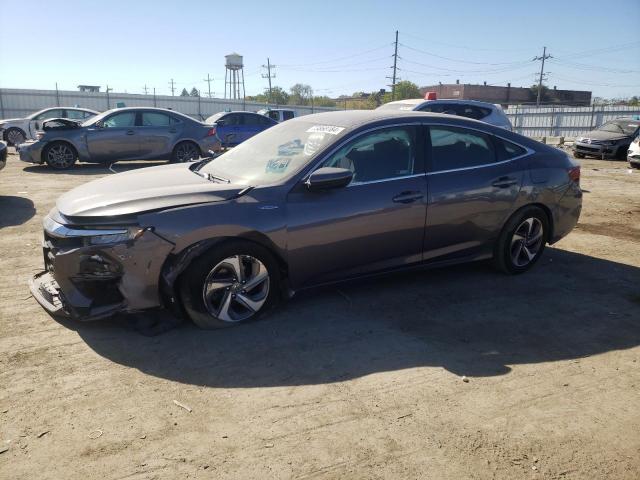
x: 364, y: 380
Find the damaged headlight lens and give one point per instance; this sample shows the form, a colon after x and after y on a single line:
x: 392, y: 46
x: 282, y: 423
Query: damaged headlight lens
x: 94, y: 236
x: 114, y: 236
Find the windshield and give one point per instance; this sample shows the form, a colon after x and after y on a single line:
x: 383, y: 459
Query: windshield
x: 620, y: 126
x: 275, y: 154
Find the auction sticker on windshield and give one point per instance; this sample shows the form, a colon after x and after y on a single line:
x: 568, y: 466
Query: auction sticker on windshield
x: 325, y: 129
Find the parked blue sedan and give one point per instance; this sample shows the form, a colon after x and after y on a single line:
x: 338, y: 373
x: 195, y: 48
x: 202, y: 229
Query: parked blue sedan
x: 233, y: 128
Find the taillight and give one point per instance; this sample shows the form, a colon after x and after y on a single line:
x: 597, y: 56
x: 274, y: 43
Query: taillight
x: 574, y: 174
x: 211, y: 132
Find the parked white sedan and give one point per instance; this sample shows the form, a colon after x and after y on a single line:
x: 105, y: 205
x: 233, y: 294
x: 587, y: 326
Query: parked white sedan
x: 633, y: 154
x: 16, y: 130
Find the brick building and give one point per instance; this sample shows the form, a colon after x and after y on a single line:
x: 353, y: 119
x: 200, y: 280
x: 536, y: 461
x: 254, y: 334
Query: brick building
x: 508, y: 95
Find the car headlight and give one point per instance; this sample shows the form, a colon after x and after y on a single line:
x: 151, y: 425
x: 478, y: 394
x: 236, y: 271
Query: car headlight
x: 94, y: 236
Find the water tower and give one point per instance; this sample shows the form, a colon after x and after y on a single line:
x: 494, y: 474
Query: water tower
x: 233, y: 76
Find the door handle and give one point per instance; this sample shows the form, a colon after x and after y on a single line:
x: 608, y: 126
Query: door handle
x: 504, y: 182
x: 408, y: 197
x: 130, y: 132
x: 173, y: 130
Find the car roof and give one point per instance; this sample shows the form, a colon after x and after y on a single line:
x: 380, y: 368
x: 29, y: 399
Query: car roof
x: 421, y: 101
x: 354, y: 118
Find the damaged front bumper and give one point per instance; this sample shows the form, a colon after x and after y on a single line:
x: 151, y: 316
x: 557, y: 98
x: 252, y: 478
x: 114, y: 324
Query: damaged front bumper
x: 89, y: 282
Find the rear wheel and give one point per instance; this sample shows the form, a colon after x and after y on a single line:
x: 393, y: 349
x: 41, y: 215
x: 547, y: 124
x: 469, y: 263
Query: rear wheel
x: 578, y: 155
x: 185, y: 152
x: 522, y: 241
x: 60, y: 155
x: 230, y: 284
x: 15, y: 136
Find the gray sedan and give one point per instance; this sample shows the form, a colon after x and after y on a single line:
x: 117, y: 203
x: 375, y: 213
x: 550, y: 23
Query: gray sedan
x: 314, y: 200
x: 121, y: 134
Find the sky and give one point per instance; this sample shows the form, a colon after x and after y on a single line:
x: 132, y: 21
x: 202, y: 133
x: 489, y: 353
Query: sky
x: 337, y: 47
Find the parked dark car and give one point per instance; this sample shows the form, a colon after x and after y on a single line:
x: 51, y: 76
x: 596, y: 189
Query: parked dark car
x: 3, y: 155
x: 233, y: 128
x: 610, y: 140
x: 314, y: 200
x: 121, y: 134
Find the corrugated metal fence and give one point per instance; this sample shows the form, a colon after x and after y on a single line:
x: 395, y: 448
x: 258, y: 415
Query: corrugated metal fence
x: 564, y: 121
x: 21, y: 102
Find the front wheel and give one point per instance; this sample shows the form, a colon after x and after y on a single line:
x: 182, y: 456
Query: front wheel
x: 522, y: 241
x: 578, y: 155
x: 60, y: 155
x: 230, y: 284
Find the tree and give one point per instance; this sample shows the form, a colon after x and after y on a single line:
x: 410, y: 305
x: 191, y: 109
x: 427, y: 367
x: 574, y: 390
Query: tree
x: 278, y: 96
x: 544, y: 93
x: 300, y: 94
x: 634, y: 101
x: 404, y: 89
x: 194, y: 92
x: 184, y: 93
x: 323, y: 101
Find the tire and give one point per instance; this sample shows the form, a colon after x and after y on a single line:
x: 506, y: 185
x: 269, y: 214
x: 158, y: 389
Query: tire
x: 212, y: 290
x: 15, y: 136
x: 621, y: 154
x: 185, y: 152
x: 522, y: 241
x: 578, y: 155
x: 60, y: 155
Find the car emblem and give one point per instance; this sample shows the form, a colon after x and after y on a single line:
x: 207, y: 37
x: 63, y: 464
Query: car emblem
x: 588, y: 140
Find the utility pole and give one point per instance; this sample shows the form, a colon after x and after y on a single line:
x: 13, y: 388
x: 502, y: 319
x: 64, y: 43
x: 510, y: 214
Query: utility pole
x: 395, y: 67
x: 209, y: 80
x: 543, y: 58
x: 108, y: 102
x: 154, y: 96
x: 57, y: 95
x: 145, y: 89
x: 172, y: 86
x: 268, y: 66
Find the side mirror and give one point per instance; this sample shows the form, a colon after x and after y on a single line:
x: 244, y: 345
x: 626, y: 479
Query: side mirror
x: 329, y: 177
x: 229, y: 137
x: 220, y: 123
x: 98, y: 124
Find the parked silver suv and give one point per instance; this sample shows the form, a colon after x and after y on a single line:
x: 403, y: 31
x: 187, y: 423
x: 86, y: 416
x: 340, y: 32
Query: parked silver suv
x: 485, y: 112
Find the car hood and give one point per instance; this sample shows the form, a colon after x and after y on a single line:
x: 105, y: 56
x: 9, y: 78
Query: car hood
x: 141, y: 190
x: 602, y: 135
x: 11, y: 120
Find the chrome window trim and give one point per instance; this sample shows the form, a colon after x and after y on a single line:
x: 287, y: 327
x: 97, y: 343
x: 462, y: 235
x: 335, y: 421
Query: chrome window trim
x: 364, y: 132
x: 529, y: 151
x: 58, y: 230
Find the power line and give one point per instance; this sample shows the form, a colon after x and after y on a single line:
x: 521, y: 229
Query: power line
x: 459, y: 60
x: 594, y: 68
x: 466, y: 47
x: 542, y: 58
x: 386, y: 45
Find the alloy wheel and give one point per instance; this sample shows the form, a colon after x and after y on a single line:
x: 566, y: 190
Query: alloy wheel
x: 527, y: 241
x: 15, y: 137
x: 60, y: 156
x: 236, y: 288
x: 186, y: 152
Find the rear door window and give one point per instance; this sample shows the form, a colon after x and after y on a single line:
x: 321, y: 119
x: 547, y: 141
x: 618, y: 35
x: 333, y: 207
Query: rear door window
x: 455, y: 148
x: 506, y: 150
x: 75, y: 114
x: 155, y: 119
x: 287, y: 115
x: 55, y: 113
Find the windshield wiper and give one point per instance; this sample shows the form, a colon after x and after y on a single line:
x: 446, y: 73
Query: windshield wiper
x: 213, y: 178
